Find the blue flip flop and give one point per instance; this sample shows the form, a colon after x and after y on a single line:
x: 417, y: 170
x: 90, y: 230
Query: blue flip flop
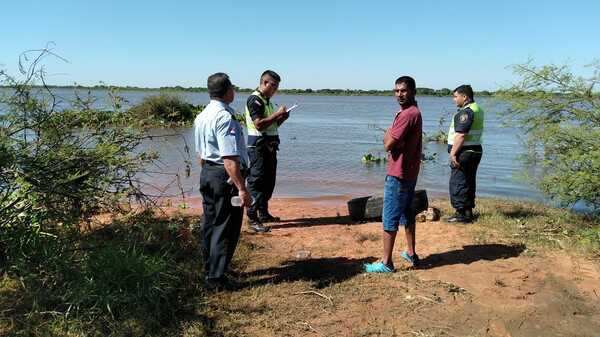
x: 378, y: 267
x: 413, y: 260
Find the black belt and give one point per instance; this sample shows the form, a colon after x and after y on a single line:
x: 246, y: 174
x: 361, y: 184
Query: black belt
x: 243, y: 168
x: 468, y: 148
x: 212, y: 163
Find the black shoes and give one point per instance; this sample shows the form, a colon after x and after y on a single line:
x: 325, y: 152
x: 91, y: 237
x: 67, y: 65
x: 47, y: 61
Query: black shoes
x: 268, y: 218
x: 461, y: 217
x: 219, y: 285
x: 257, y: 226
x: 458, y: 218
x: 256, y: 222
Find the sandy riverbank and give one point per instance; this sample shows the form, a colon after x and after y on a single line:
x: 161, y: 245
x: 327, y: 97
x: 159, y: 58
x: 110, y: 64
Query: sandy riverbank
x: 471, y: 284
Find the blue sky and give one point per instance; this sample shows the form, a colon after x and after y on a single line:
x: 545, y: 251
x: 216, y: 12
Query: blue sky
x: 312, y: 44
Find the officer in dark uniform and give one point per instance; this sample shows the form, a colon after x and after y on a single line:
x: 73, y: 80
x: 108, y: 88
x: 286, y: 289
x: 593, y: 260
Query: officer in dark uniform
x: 262, y: 122
x: 221, y: 147
x: 464, y: 146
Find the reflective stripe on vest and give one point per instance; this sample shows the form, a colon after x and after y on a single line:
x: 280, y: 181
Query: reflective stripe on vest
x: 271, y: 130
x: 473, y: 137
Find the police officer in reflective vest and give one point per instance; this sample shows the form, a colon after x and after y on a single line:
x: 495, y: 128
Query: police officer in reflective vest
x: 262, y: 122
x: 464, y: 146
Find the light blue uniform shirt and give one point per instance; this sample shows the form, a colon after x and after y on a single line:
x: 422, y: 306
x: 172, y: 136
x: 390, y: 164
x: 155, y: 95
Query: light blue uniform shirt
x: 217, y: 134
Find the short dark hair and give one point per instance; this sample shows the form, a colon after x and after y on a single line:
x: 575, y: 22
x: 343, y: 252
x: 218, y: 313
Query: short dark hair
x: 218, y: 84
x: 271, y: 74
x: 466, y: 90
x: 408, y: 81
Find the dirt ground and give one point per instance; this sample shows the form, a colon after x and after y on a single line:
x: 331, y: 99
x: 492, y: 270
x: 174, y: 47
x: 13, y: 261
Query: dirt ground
x: 305, y: 278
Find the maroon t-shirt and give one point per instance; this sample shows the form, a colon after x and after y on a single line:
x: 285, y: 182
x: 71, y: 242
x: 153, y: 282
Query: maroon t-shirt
x: 404, y: 160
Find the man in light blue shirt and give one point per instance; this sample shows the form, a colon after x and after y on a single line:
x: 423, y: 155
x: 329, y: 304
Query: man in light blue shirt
x: 221, y: 148
x: 217, y: 134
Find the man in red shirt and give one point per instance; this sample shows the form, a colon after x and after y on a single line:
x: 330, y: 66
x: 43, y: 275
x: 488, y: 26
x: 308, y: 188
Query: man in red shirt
x: 403, y: 142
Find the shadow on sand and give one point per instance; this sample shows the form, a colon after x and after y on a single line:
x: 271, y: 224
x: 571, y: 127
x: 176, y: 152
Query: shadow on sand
x: 311, y: 222
x: 472, y: 253
x: 321, y: 271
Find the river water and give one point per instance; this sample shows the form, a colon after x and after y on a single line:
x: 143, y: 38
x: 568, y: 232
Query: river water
x: 324, y: 139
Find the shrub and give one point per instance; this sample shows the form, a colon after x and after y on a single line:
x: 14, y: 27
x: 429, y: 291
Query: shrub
x: 58, y: 170
x: 559, y: 114
x: 164, y: 109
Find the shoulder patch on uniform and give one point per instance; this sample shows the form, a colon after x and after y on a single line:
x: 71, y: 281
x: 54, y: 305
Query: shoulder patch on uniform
x: 257, y: 102
x: 463, y: 117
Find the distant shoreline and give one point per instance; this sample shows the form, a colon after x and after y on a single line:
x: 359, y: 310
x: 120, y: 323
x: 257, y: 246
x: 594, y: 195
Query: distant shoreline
x: 309, y: 92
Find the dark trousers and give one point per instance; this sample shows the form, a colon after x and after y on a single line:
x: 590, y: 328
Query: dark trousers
x: 261, y: 178
x: 463, y: 180
x: 222, y: 222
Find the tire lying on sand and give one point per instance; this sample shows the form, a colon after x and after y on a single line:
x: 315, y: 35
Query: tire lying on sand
x: 357, y: 208
x: 370, y: 207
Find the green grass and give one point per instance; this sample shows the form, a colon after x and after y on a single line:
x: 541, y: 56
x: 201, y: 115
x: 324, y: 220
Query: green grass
x: 140, y: 276
x: 536, y: 225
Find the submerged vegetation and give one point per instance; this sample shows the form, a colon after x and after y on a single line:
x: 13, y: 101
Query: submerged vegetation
x: 373, y: 159
x: 164, y: 109
x: 439, y: 136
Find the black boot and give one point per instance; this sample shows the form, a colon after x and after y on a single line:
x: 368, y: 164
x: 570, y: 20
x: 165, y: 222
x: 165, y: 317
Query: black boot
x: 267, y: 217
x: 220, y: 284
x: 469, y: 214
x: 459, y: 217
x: 257, y: 226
